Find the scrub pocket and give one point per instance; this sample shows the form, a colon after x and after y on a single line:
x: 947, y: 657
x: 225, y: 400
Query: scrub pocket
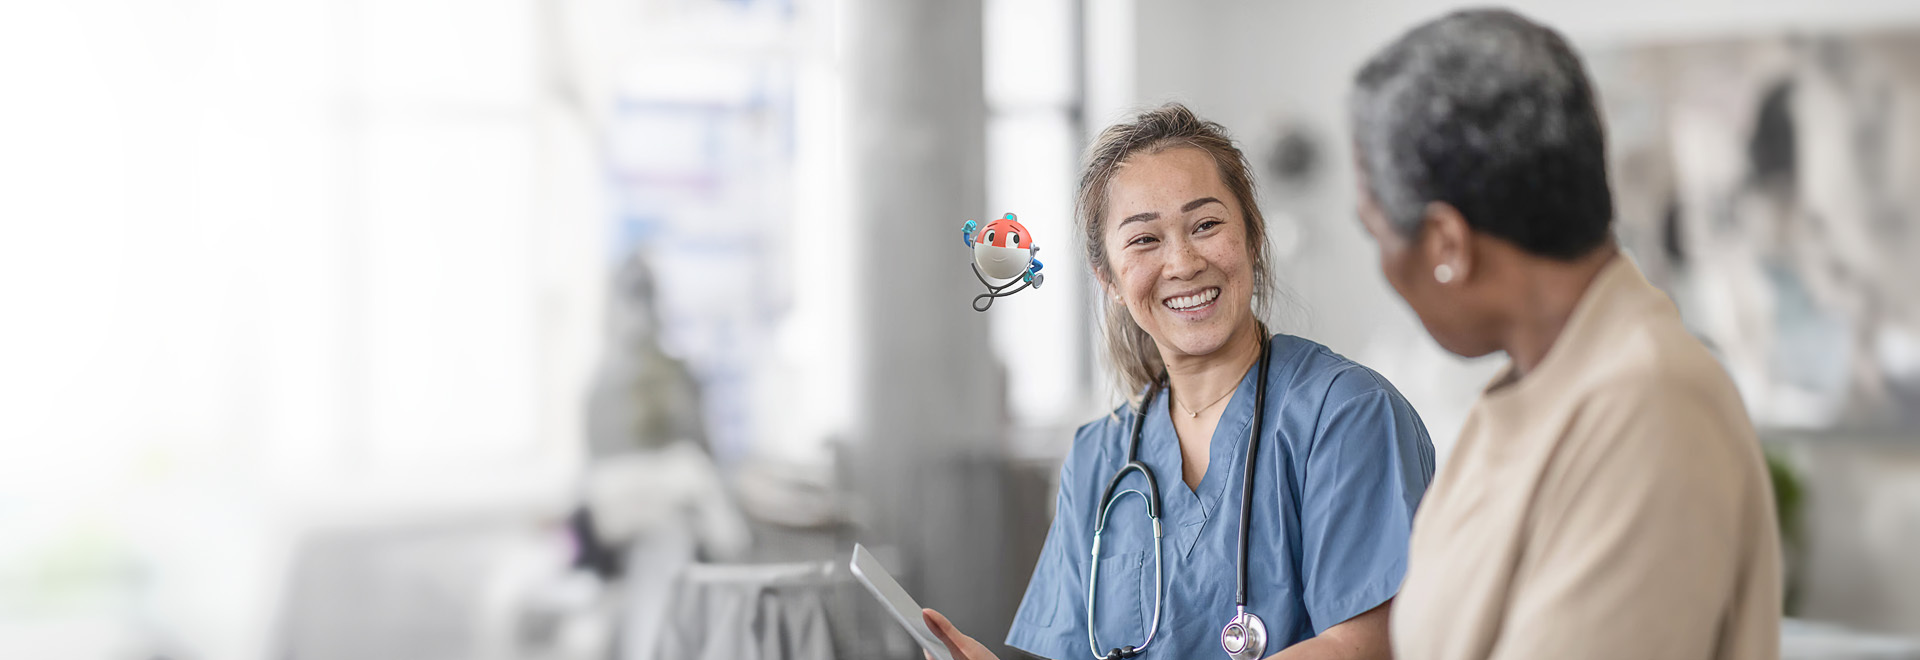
x: 1125, y: 592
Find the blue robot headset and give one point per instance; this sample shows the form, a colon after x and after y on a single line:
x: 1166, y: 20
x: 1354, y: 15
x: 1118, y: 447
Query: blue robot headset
x: 1003, y: 251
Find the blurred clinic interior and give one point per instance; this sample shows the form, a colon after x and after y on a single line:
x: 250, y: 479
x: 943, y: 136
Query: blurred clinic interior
x: 556, y: 329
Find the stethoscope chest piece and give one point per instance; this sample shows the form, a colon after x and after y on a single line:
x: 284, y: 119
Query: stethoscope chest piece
x: 1245, y: 637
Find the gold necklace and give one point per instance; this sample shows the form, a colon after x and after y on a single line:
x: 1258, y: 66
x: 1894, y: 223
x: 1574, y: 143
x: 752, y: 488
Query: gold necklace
x: 1192, y: 414
x: 1195, y: 415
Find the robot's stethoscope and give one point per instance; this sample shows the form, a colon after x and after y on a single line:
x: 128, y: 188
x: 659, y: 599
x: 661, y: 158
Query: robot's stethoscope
x: 1245, y: 635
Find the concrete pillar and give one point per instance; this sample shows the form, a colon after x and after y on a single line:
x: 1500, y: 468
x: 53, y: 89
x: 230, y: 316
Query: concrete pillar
x: 930, y: 417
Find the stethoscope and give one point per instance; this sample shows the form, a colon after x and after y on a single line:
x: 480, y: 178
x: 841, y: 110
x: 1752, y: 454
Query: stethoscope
x: 1245, y: 635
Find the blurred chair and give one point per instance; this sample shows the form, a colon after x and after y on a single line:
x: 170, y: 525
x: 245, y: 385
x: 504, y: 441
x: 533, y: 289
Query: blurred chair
x: 750, y: 612
x: 700, y: 590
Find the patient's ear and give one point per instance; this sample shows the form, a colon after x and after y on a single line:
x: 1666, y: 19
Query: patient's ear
x: 1447, y: 240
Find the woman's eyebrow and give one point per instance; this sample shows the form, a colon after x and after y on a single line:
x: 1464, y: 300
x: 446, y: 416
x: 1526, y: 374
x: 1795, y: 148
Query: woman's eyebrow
x: 1188, y: 207
x: 1199, y: 203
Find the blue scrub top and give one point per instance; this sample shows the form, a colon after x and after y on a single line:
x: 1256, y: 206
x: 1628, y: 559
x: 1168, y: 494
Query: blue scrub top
x: 1342, y: 464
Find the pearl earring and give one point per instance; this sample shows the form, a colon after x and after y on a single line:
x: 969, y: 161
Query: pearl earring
x: 1443, y: 273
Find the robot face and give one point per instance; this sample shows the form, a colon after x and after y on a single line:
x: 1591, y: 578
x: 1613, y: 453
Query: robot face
x: 1003, y: 249
x: 1005, y: 233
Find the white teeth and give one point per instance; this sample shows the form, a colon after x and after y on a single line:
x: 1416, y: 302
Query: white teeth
x: 1183, y: 303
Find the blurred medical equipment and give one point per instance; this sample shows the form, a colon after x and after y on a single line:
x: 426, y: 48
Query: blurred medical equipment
x: 641, y: 397
x: 647, y: 520
x: 640, y: 493
x: 1245, y: 635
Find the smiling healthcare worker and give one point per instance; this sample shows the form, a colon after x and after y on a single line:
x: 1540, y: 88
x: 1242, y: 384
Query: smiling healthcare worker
x: 1254, y: 497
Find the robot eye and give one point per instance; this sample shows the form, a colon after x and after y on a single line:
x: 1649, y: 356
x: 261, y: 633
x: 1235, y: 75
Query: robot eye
x: 1013, y: 239
x: 989, y: 236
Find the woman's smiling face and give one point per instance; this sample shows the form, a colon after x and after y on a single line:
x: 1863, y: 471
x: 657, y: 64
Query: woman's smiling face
x: 1176, y: 240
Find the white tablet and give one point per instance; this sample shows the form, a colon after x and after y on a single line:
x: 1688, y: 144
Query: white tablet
x: 869, y: 571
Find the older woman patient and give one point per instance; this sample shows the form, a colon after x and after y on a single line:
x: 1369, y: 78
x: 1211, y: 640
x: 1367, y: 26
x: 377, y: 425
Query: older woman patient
x: 1607, y: 498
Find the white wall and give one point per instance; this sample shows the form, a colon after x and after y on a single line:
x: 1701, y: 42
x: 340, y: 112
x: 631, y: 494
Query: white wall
x: 1249, y: 63
x: 264, y: 263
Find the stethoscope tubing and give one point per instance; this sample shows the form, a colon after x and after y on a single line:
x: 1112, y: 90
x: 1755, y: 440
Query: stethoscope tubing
x: 1152, y: 497
x: 1246, y: 469
x: 984, y: 301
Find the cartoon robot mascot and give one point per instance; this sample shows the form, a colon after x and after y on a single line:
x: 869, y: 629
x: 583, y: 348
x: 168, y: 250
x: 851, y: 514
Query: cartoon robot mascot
x: 1003, y: 252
